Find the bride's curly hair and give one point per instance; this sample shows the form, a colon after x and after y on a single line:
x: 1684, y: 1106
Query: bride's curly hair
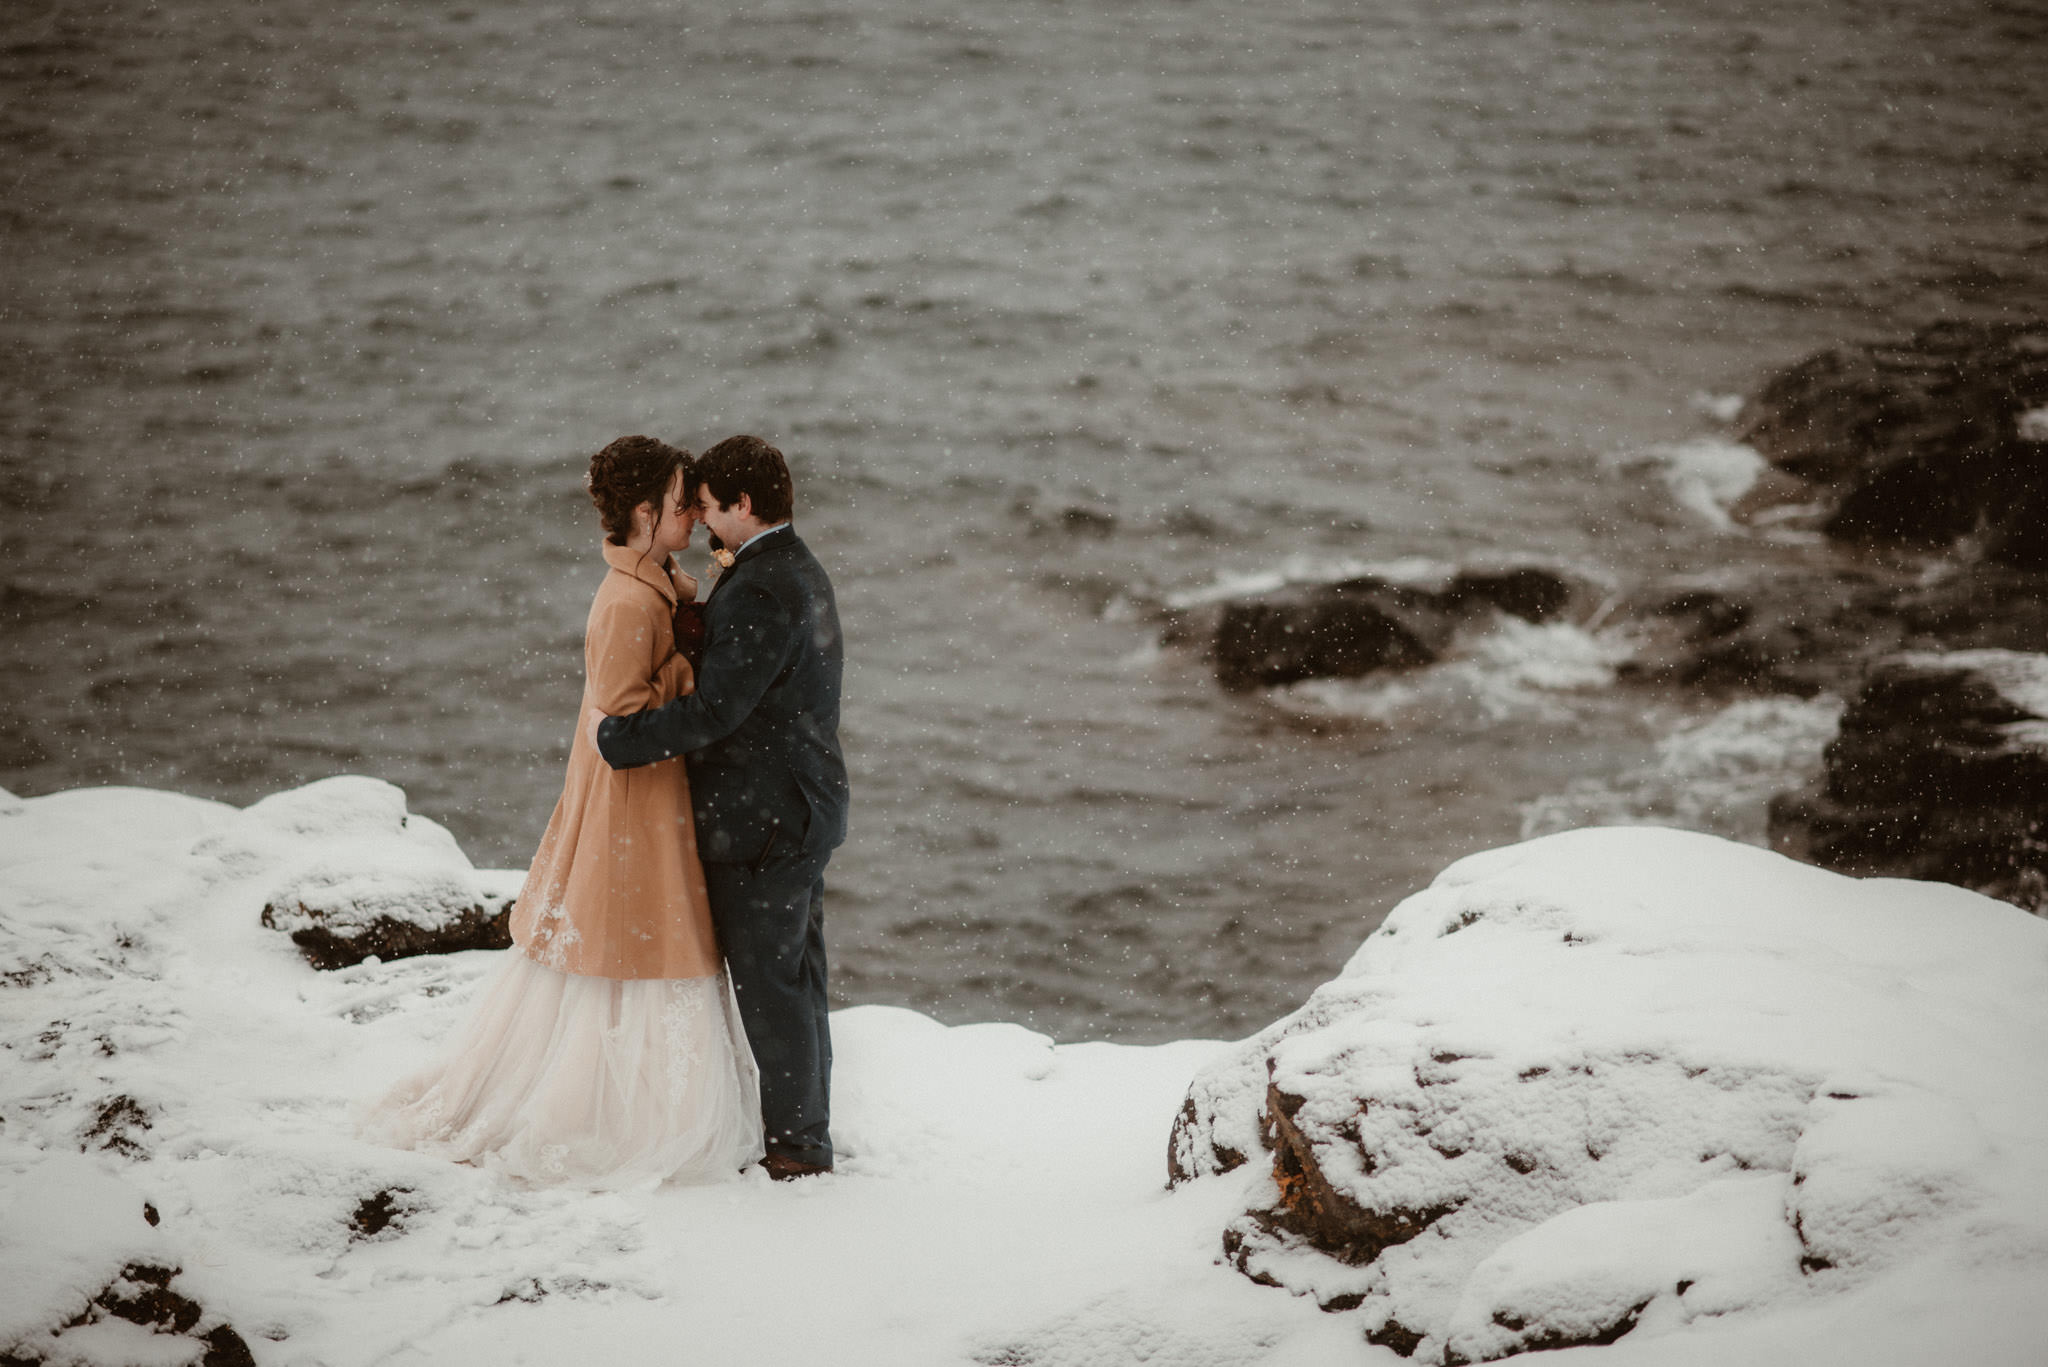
x: 632, y: 471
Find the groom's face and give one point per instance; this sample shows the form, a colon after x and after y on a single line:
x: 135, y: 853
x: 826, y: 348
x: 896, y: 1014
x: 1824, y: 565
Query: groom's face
x: 730, y: 525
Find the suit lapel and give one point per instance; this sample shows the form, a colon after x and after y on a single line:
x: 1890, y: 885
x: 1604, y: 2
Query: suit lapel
x: 765, y: 542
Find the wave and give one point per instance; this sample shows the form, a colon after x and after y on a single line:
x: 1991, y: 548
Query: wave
x: 1411, y: 571
x: 1731, y: 487
x: 1707, y: 475
x: 1507, y: 670
x: 1713, y: 775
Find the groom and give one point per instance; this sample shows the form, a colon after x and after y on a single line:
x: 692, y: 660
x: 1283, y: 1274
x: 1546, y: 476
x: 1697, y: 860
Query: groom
x: 767, y: 782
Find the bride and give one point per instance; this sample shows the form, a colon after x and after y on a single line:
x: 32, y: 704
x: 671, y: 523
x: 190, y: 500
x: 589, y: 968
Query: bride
x: 607, y: 1051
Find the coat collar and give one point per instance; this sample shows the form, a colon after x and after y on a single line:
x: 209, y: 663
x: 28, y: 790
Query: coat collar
x: 644, y: 568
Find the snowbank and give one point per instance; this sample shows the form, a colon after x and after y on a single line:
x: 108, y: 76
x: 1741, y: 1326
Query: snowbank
x: 998, y: 1194
x: 179, y: 1085
x: 1626, y: 1084
x: 350, y: 873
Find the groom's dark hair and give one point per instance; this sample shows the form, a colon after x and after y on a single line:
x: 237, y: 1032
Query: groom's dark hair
x: 750, y: 466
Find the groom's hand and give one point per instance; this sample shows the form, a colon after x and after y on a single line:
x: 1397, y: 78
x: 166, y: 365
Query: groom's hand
x: 592, y: 719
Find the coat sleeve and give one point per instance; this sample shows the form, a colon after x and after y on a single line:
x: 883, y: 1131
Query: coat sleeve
x: 618, y: 654
x: 752, y: 638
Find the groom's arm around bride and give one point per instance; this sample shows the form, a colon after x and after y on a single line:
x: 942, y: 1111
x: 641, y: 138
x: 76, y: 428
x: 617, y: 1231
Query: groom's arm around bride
x: 767, y: 781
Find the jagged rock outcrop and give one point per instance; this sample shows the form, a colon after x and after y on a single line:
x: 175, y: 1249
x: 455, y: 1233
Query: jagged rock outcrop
x: 1616, y: 1080
x: 1356, y: 626
x: 1921, y: 443
x: 1939, y: 771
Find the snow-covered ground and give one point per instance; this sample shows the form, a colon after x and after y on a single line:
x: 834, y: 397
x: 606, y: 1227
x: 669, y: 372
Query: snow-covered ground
x: 1000, y: 1200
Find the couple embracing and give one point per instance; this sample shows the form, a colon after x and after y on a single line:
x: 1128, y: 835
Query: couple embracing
x: 662, y: 1013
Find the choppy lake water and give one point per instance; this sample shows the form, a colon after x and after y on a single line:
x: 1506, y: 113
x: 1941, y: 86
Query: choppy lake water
x: 312, y: 313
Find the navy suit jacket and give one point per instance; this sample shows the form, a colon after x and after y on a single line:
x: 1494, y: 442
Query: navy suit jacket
x: 761, y: 733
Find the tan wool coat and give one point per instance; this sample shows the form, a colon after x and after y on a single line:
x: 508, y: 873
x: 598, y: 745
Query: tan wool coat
x: 616, y: 890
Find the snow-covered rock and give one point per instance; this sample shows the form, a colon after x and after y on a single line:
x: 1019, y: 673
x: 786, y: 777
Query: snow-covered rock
x: 1629, y: 1081
x: 86, y: 1276
x: 67, y: 1228
x: 349, y: 873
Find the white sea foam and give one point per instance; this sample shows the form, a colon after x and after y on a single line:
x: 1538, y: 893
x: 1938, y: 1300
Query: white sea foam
x: 1414, y: 572
x: 1722, y: 408
x: 1712, y: 775
x: 2020, y: 677
x: 1511, y: 669
x: 1708, y: 474
x: 2033, y: 425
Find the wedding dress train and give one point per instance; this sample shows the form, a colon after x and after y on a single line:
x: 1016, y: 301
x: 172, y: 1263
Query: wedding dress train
x: 562, y: 1079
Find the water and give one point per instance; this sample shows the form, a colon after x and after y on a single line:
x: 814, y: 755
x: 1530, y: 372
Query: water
x: 312, y: 314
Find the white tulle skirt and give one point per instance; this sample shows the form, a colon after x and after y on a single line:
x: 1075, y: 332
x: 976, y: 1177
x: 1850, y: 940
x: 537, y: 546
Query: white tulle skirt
x: 565, y: 1080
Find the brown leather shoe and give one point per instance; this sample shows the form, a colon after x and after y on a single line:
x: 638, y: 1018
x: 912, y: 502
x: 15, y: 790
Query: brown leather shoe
x: 783, y: 1168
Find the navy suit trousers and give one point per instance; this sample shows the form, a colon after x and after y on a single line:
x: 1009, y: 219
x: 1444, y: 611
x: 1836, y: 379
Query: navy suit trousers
x: 771, y: 925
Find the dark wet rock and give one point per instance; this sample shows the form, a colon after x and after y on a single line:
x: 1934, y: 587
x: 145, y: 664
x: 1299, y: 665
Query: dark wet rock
x: 1357, y: 626
x: 1820, y: 633
x: 1764, y: 637
x: 1391, y: 1333
x: 384, y: 1210
x: 1922, y: 443
x: 1551, y: 1340
x: 1939, y: 771
x: 331, y: 937
x: 142, y: 1295
x: 1336, y: 630
x: 1317, y: 1209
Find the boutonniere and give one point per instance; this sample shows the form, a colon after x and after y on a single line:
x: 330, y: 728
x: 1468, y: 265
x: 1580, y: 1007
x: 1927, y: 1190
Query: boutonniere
x: 722, y: 558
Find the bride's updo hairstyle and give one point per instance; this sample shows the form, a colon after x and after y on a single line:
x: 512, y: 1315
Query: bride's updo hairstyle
x: 630, y: 472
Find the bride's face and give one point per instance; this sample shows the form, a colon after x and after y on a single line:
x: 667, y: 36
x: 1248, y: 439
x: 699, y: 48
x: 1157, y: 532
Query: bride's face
x: 678, y: 519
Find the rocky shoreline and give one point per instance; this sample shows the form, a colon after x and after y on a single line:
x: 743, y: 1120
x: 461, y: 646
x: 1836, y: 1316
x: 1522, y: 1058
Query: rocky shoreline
x: 1921, y: 468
